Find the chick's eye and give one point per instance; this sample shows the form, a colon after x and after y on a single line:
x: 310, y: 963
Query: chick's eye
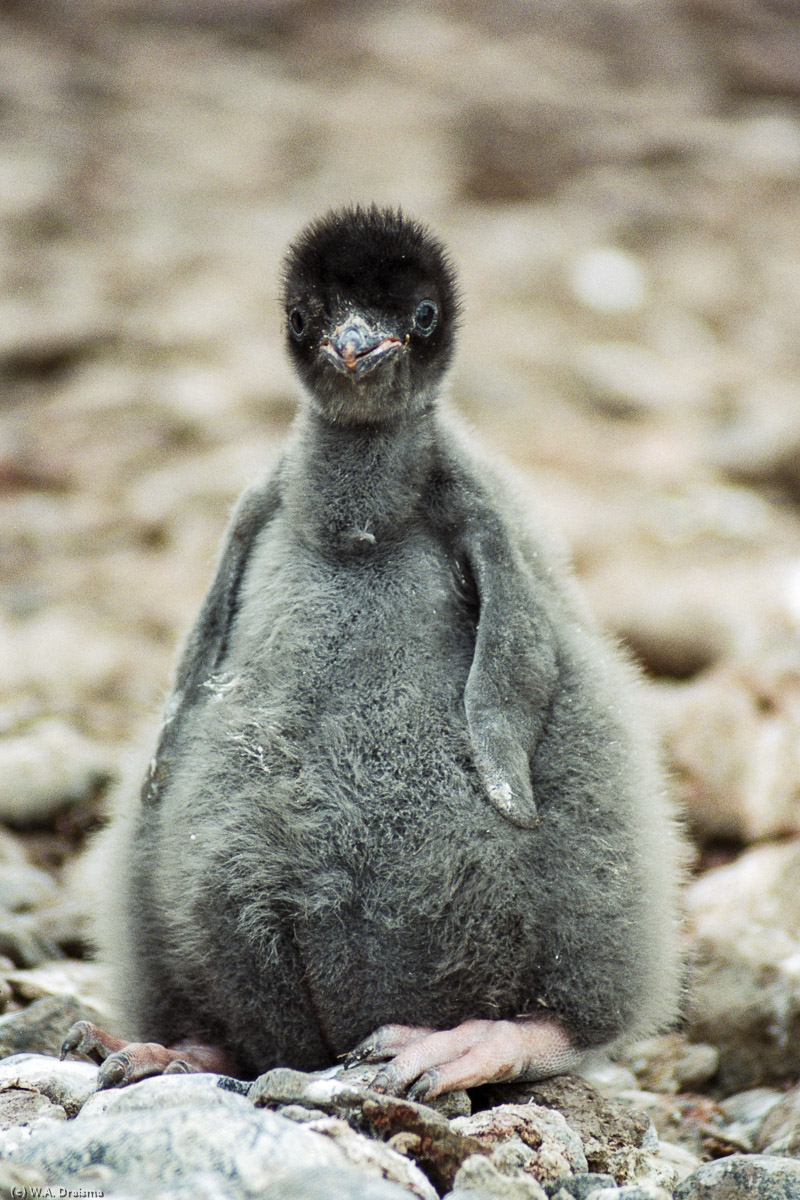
x: 297, y: 322
x: 426, y: 315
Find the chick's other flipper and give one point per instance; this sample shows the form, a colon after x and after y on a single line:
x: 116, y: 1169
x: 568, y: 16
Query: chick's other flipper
x: 207, y: 641
x: 424, y: 1064
x: 124, y: 1062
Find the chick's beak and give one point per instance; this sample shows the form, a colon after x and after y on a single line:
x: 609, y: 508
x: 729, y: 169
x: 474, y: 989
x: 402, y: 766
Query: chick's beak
x: 355, y: 348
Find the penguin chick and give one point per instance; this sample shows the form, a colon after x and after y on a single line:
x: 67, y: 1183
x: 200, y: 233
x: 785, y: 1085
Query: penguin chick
x: 403, y: 805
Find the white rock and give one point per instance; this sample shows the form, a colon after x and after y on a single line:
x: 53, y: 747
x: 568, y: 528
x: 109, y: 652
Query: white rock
x: 201, y: 1091
x: 609, y: 280
x: 69, y: 1083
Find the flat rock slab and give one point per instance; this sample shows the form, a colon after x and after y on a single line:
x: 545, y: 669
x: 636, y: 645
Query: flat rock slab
x: 68, y: 1084
x: 163, y: 1092
x: 140, y: 1152
x: 743, y: 1177
x: 331, y: 1183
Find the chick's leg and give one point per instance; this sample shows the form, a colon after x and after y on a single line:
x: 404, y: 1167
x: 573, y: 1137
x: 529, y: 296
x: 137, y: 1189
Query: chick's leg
x: 127, y: 1062
x: 473, y: 1053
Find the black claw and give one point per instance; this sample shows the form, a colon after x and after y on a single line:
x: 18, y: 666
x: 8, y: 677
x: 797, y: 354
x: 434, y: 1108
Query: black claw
x: 73, y: 1039
x: 178, y: 1066
x: 359, y: 1053
x: 112, y: 1073
x: 422, y: 1087
x: 381, y: 1082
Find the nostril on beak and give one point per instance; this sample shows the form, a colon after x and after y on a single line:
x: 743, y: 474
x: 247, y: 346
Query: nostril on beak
x: 355, y: 347
x: 352, y: 339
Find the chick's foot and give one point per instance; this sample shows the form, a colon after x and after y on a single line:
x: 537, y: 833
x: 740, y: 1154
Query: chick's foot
x: 124, y: 1062
x: 423, y: 1064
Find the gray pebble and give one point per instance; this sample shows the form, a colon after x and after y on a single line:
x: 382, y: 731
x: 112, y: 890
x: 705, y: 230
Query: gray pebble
x: 779, y: 1131
x: 25, y: 942
x: 606, y: 1077
x: 630, y: 1191
x: 745, y: 1115
x: 373, y: 1157
x: 752, y: 1105
x: 578, y: 1187
x: 296, y: 1112
x: 15, y: 1180
x: 743, y: 1177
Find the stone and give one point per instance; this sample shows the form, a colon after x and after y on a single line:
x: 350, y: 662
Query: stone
x: 23, y: 887
x: 578, y: 1186
x: 141, y: 1150
x: 678, y: 1160
x: 631, y: 1191
x: 478, y: 1179
x: 212, y: 1095
x: 745, y: 986
x: 557, y: 1149
x: 779, y: 1130
x: 19, y: 1106
x: 743, y: 1177
x: 41, y: 1028
x: 164, y: 1092
x: 607, y: 1077
x: 682, y: 1122
x: 617, y: 1140
x: 87, y: 981
x: 334, y: 1183
x: 745, y: 1114
x: 68, y: 1084
x: 391, y: 1161
x: 732, y: 738
x: 670, y: 1063
x: 608, y: 280
x: 19, y: 1181
x: 423, y: 1133
x: 23, y: 940
x: 49, y: 767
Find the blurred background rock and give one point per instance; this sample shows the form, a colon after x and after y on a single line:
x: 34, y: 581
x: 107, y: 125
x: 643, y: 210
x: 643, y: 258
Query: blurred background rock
x: 619, y: 182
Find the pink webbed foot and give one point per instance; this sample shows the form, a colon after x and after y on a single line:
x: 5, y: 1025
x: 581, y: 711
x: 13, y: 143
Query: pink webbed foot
x: 425, y: 1063
x: 127, y: 1062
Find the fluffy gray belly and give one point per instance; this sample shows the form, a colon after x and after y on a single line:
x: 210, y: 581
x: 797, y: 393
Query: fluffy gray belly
x: 327, y: 780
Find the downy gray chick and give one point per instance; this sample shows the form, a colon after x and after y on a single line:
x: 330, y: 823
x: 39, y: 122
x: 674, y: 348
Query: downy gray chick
x: 403, y: 803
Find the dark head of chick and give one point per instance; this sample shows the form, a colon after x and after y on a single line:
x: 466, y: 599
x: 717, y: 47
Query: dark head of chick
x: 371, y: 311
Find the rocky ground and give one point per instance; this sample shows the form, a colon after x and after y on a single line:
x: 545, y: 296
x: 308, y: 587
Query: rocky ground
x: 620, y: 186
